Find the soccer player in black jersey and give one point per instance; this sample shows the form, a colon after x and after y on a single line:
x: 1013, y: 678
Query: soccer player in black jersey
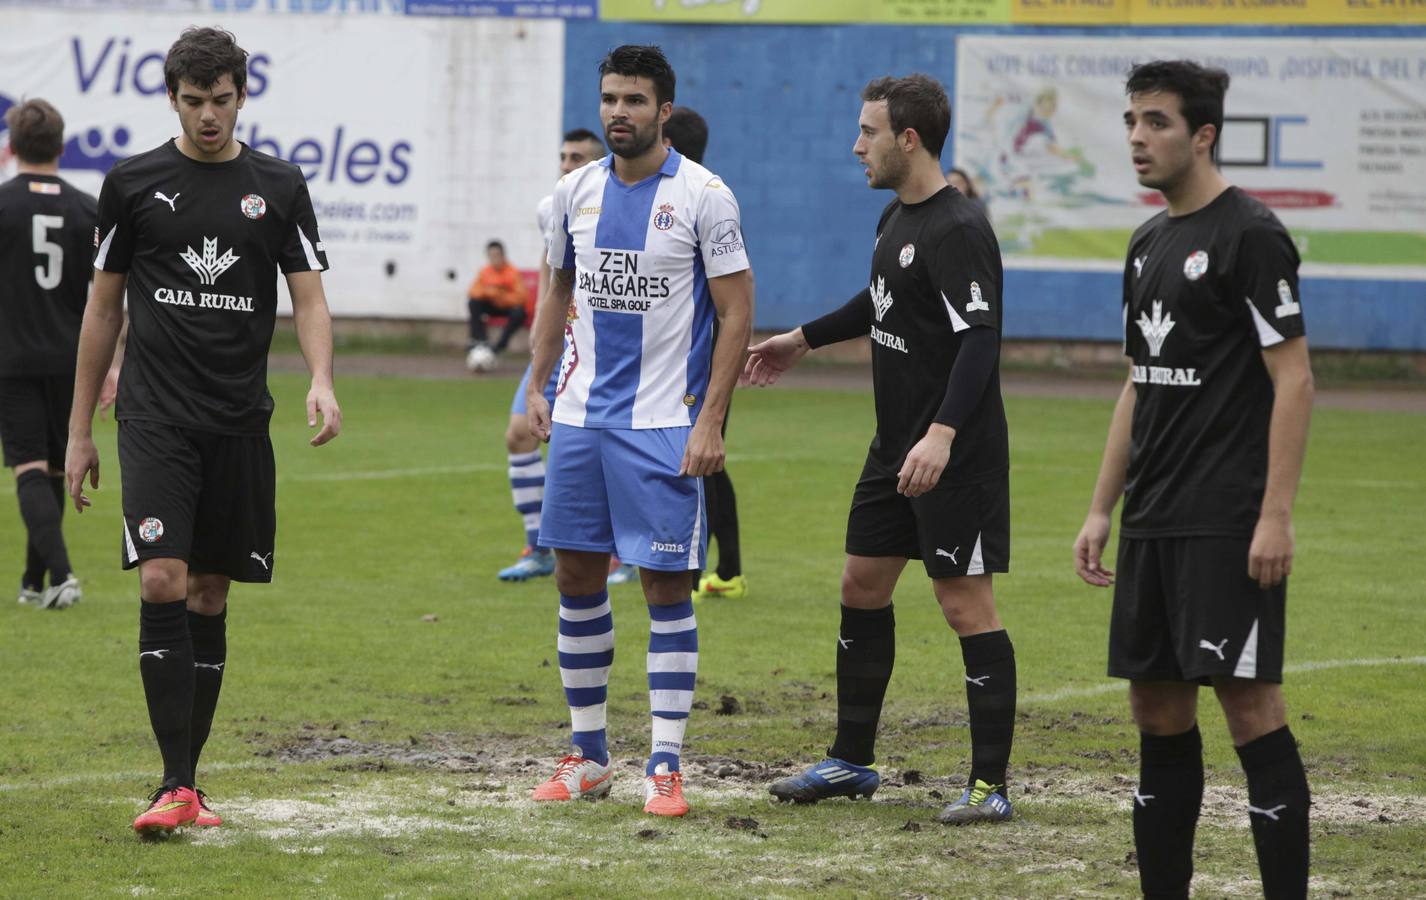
x: 197, y: 230
x: 1205, y: 446
x: 935, y: 486
x: 45, y: 228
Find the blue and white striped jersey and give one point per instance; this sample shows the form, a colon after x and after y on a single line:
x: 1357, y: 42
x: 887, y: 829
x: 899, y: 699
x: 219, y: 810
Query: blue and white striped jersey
x: 639, y: 339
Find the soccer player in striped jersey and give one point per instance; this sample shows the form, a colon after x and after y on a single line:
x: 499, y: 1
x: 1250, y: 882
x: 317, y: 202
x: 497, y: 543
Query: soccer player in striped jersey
x: 527, y: 466
x: 1205, y: 448
x: 649, y: 246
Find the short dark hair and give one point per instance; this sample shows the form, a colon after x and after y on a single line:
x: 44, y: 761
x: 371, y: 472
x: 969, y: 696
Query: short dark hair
x: 580, y: 135
x: 495, y: 245
x: 917, y: 102
x: 202, y: 56
x: 1200, y: 89
x: 36, y: 131
x: 688, y: 133
x: 642, y: 61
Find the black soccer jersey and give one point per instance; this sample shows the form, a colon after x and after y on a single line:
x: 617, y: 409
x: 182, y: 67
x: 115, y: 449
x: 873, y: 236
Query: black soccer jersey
x: 45, y: 229
x: 1204, y: 293
x: 202, y: 244
x: 935, y: 274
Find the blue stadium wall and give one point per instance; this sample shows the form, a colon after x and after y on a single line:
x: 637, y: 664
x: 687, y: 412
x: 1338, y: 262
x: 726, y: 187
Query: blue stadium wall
x: 781, y: 104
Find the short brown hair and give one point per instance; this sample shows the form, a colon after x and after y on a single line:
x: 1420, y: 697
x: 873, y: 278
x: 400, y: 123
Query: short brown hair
x: 36, y: 131
x: 202, y: 56
x: 917, y: 102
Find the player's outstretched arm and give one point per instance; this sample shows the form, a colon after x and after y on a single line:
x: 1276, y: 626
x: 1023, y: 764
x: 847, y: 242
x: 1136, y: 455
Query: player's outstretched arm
x: 1270, y: 554
x: 98, y: 333
x: 768, y: 360
x: 1108, y: 488
x: 546, y: 345
x: 314, y: 334
x: 733, y: 300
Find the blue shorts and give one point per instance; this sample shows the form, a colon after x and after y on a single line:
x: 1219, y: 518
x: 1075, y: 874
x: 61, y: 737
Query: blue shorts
x: 517, y: 405
x: 616, y: 490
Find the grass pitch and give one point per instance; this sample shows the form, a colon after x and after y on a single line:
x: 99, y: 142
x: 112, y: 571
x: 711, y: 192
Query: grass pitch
x: 388, y: 704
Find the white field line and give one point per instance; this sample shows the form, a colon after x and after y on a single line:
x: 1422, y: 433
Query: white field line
x: 138, y: 775
x: 1118, y: 685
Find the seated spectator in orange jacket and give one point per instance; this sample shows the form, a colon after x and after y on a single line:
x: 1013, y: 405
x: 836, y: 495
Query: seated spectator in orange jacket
x: 499, y: 290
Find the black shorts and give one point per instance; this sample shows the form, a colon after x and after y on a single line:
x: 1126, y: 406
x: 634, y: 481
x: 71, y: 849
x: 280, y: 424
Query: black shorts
x: 1186, y: 610
x: 955, y: 530
x: 34, y: 418
x: 208, y: 499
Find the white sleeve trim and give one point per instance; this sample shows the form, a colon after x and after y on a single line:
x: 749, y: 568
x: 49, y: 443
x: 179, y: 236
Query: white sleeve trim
x: 103, y: 255
x: 1267, y: 335
x: 312, y: 262
x: 957, y: 323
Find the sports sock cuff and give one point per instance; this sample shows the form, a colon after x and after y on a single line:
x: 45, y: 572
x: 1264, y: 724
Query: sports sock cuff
x: 163, y: 622
x: 681, y: 610
x: 524, y: 459
x: 987, y: 648
x: 1172, y: 749
x: 584, y: 601
x: 864, y: 622
x: 1263, y: 752
x: 30, y: 476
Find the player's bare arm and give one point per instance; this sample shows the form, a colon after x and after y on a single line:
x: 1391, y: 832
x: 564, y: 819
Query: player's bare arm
x: 110, y: 391
x: 103, y: 320
x: 314, y: 334
x: 733, y: 301
x: 545, y: 347
x: 1108, y: 488
x: 1270, y: 555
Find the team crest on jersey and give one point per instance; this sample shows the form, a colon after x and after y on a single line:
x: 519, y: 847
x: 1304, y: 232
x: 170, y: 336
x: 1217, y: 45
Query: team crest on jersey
x: 908, y: 255
x: 977, y: 302
x: 1286, y: 305
x: 689, y: 400
x: 663, y: 219
x: 570, y: 360
x: 1195, y: 265
x: 150, y: 530
x: 880, y: 299
x: 253, y: 206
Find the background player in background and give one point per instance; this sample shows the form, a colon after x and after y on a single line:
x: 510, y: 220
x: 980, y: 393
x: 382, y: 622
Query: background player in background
x: 193, y: 408
x: 960, y: 180
x: 1206, y: 447
x: 46, y: 234
x: 687, y: 132
x: 643, y: 393
x: 527, y: 467
x: 497, y: 290
x: 935, y: 486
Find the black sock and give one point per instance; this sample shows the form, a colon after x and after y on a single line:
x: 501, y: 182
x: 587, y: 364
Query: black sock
x: 990, y: 693
x: 210, y: 655
x: 723, y: 525
x: 1278, y: 802
x: 34, y: 577
x: 166, y: 664
x: 1166, y: 804
x: 42, y: 517
x: 866, y: 651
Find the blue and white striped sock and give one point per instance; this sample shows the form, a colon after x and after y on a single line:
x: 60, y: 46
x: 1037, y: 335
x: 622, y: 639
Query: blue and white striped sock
x: 527, y: 488
x: 586, y: 651
x: 673, y: 669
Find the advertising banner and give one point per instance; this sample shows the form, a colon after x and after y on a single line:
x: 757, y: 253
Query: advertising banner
x: 1022, y: 12
x: 414, y: 149
x: 1330, y: 133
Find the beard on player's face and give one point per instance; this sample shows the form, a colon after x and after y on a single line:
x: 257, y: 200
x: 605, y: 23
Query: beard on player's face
x: 888, y: 167
x: 633, y: 140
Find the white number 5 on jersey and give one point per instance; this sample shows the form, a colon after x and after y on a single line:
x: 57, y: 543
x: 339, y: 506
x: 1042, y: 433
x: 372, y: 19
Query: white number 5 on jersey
x: 48, y: 275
